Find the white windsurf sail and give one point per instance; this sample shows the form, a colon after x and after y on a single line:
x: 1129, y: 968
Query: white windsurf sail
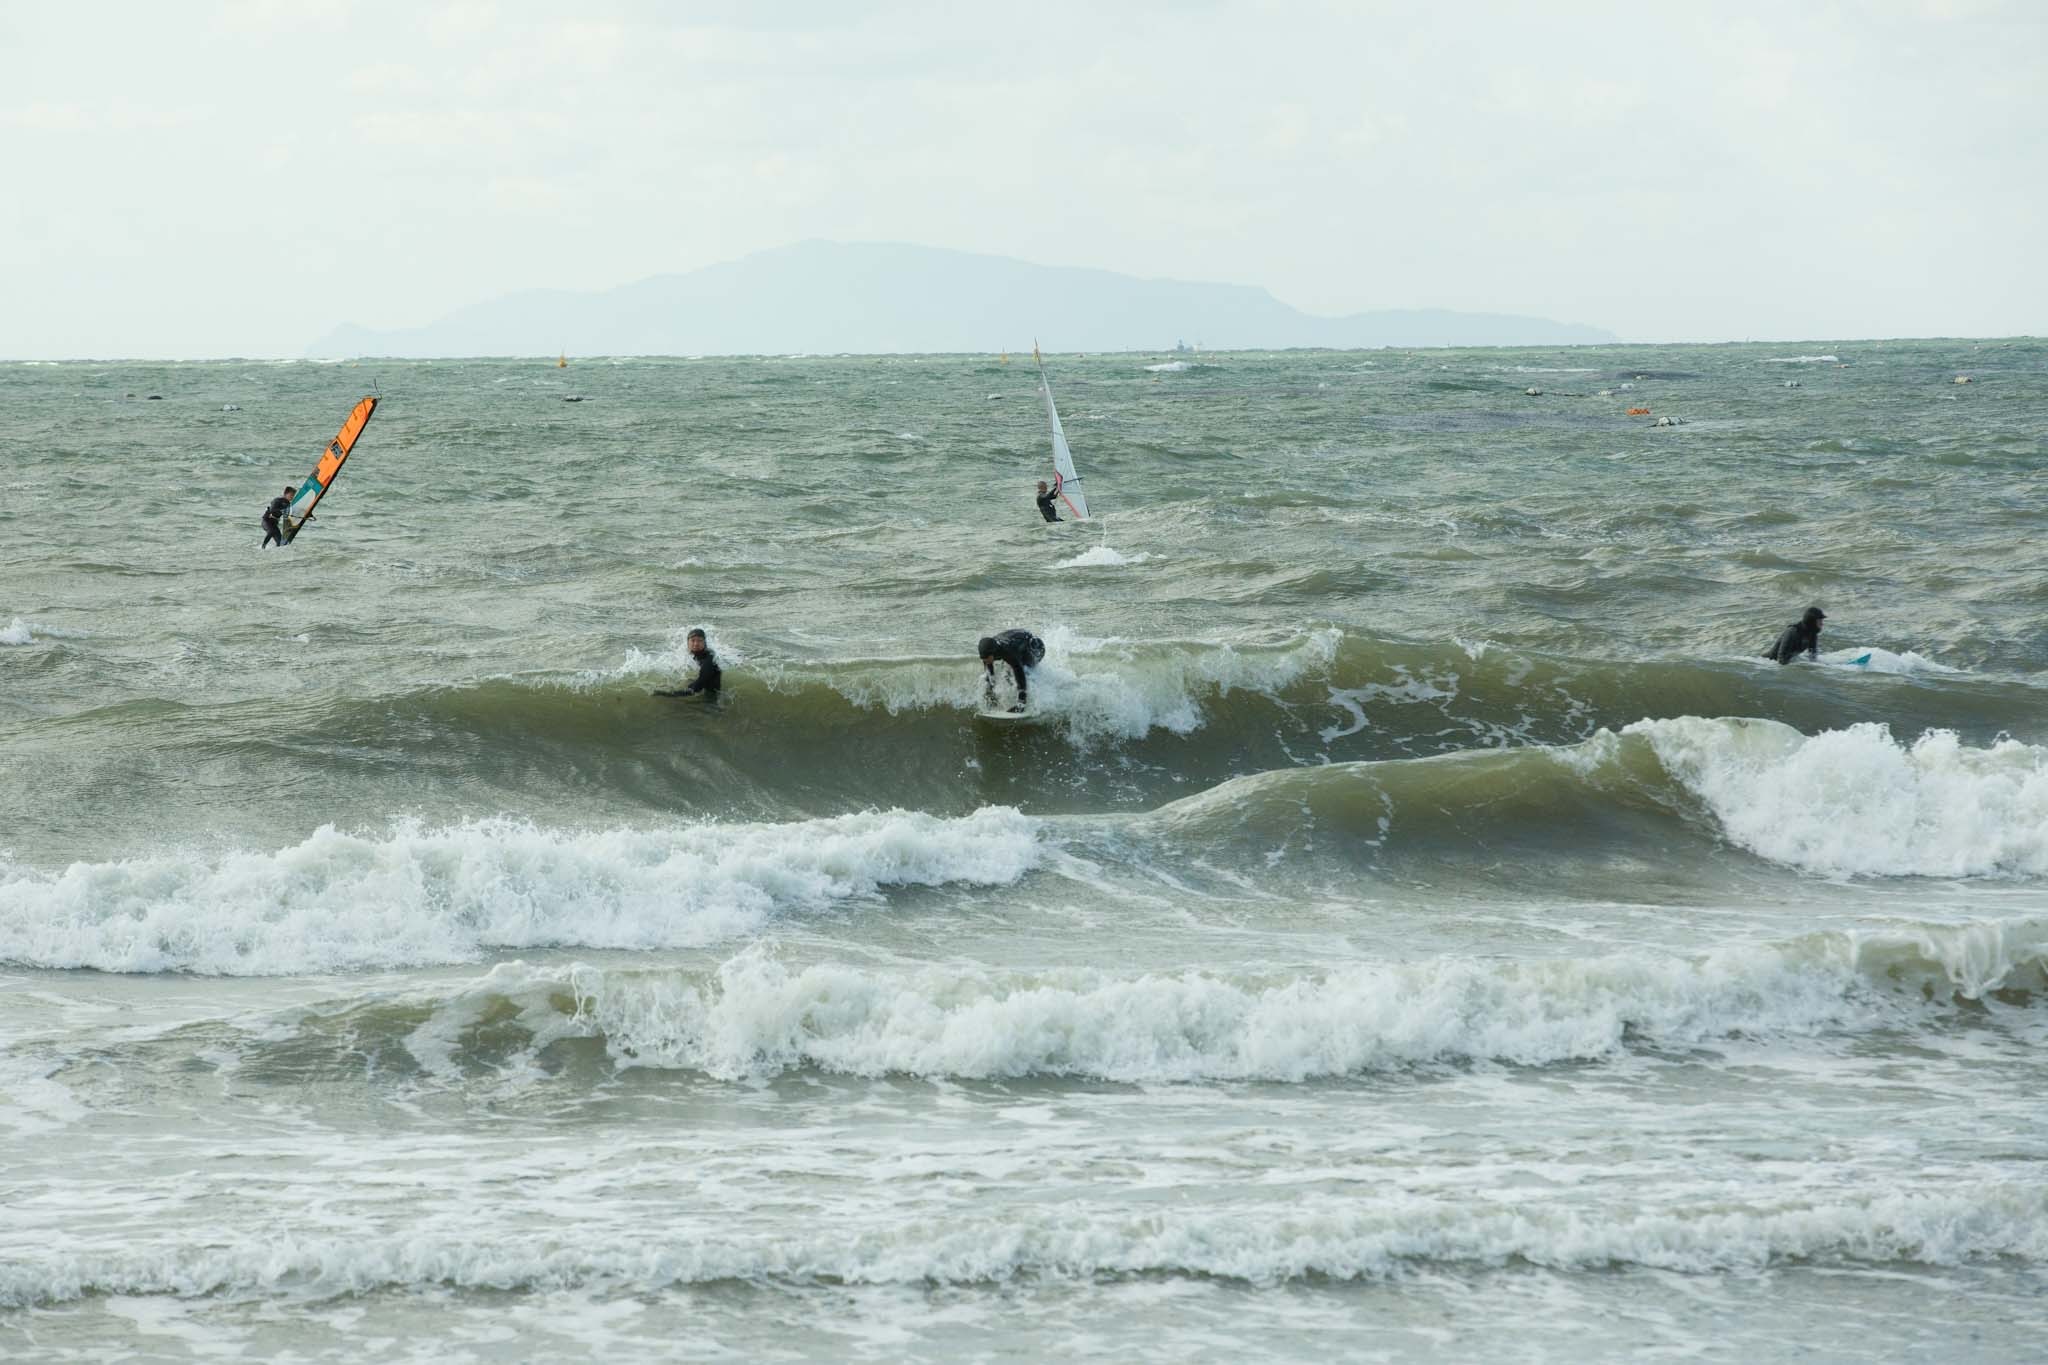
x: 1062, y: 458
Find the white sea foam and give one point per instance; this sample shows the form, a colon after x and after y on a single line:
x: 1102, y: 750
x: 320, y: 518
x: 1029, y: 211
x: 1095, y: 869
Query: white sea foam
x: 1802, y: 360
x: 1261, y: 1240
x: 757, y: 1016
x: 16, y: 632
x: 1103, y: 557
x: 415, y: 895
x: 1114, y: 689
x: 1860, y: 802
x: 1169, y: 367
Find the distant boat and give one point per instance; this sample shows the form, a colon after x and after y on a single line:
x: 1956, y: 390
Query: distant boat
x: 562, y: 362
x: 1004, y: 358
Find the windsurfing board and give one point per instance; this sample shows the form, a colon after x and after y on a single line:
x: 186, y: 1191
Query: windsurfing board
x: 1008, y: 717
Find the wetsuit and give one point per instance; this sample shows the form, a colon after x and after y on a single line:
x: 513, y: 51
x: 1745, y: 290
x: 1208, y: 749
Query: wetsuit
x: 710, y: 677
x: 1801, y: 637
x: 273, y: 516
x: 1020, y: 649
x: 1046, y: 507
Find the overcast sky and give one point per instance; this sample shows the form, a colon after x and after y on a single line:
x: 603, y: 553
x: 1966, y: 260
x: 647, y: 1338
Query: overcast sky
x: 236, y: 178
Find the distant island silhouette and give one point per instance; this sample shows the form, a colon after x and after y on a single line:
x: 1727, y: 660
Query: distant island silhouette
x: 882, y: 298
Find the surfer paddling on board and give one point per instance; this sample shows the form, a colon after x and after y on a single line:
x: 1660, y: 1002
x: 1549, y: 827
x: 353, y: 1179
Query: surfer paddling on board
x: 710, y: 677
x: 273, y: 517
x: 1021, y: 650
x: 1046, y: 506
x: 1801, y: 637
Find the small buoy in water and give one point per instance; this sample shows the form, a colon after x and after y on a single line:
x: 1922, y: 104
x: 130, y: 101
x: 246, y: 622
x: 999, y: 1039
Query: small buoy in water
x: 1533, y: 393
x: 1962, y: 379
x: 1639, y: 412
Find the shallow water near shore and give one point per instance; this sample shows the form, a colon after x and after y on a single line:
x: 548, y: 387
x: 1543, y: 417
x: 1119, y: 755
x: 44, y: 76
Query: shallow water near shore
x: 1418, y: 924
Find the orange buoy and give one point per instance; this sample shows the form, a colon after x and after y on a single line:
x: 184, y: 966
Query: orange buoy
x: 1639, y: 412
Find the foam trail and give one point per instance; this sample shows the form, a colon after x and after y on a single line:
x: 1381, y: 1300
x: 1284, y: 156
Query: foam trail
x: 418, y: 896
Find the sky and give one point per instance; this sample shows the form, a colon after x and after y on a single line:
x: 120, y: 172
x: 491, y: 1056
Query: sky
x: 238, y: 177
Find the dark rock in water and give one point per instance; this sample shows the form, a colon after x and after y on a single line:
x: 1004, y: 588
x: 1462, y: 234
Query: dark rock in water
x: 154, y: 398
x: 1533, y: 393
x: 572, y: 398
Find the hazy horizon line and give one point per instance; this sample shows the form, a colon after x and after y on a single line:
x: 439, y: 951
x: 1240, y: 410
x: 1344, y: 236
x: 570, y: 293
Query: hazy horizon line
x: 1018, y: 350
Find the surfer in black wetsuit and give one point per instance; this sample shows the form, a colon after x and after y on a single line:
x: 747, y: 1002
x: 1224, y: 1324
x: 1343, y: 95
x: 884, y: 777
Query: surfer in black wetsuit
x: 1020, y: 649
x: 710, y: 677
x: 1046, y: 507
x: 273, y: 518
x: 1801, y: 637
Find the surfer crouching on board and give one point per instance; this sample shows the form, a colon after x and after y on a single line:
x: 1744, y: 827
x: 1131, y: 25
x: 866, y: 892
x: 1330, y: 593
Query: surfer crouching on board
x: 1801, y: 637
x: 273, y: 517
x: 1046, y: 507
x: 1021, y: 650
x: 710, y: 677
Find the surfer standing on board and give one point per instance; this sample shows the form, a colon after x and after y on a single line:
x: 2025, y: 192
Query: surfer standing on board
x: 1046, y: 495
x: 273, y: 516
x: 710, y: 677
x: 1021, y: 650
x: 1801, y: 637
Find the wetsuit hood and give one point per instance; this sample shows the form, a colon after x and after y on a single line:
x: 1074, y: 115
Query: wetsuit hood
x: 1814, y: 614
x: 986, y: 647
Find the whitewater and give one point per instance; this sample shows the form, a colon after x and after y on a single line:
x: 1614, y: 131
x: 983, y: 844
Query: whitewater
x: 1416, y: 924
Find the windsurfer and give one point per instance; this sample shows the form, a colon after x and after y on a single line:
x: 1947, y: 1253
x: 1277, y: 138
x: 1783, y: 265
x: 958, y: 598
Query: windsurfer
x: 273, y: 517
x: 1046, y: 507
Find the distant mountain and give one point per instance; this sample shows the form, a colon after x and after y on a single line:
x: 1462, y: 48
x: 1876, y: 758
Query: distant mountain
x: 871, y: 297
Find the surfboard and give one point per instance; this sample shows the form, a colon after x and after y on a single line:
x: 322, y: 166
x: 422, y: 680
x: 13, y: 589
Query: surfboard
x: 1008, y: 716
x: 1860, y: 661
x: 327, y: 469
x: 1062, y: 458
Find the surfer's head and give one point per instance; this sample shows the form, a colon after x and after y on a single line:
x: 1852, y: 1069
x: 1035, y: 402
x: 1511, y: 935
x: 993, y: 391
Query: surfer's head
x: 287, y: 489
x: 695, y: 639
x: 1041, y: 485
x: 987, y: 647
x: 1814, y: 616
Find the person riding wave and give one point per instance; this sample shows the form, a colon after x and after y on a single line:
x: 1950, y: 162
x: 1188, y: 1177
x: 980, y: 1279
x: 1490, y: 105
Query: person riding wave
x: 1021, y: 650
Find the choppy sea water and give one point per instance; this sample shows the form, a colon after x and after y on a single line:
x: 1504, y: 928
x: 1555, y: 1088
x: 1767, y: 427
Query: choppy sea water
x: 1419, y: 924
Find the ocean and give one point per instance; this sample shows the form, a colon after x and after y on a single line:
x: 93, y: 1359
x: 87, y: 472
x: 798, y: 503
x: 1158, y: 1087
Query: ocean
x: 1415, y: 925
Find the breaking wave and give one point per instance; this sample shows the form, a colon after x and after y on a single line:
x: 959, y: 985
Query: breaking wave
x: 418, y: 896
x: 1260, y: 1241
